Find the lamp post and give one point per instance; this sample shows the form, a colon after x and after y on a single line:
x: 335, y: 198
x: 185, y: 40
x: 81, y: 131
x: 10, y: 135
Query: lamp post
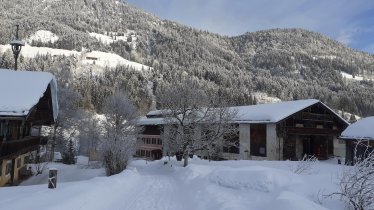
x: 16, y: 47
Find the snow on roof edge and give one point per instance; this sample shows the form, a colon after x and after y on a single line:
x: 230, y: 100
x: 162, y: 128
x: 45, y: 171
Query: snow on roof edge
x: 283, y: 112
x: 362, y: 129
x: 35, y: 82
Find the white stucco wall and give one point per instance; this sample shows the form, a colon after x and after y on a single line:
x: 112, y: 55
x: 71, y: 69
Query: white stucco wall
x: 244, y: 141
x: 272, y: 143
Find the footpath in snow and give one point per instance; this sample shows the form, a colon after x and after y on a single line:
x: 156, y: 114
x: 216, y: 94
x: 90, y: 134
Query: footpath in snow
x: 204, y: 185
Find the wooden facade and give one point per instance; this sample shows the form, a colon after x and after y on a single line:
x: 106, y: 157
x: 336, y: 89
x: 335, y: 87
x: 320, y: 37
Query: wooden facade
x: 20, y: 135
x: 310, y: 131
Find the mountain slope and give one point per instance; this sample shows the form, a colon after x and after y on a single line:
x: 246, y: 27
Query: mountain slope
x: 285, y: 63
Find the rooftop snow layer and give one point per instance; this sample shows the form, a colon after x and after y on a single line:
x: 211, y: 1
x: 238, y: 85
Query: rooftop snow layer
x: 273, y: 112
x: 20, y: 91
x: 262, y: 113
x: 362, y: 129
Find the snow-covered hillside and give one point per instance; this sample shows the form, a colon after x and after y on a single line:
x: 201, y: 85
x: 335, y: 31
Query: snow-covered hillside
x: 203, y: 185
x: 111, y: 37
x: 96, y: 59
x: 43, y: 36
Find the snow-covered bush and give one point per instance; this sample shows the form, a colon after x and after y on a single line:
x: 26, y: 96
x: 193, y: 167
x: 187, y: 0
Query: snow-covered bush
x: 119, y: 142
x: 305, y: 165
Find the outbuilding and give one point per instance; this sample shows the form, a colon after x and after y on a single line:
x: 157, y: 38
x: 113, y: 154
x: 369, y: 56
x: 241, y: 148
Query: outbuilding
x: 359, y: 138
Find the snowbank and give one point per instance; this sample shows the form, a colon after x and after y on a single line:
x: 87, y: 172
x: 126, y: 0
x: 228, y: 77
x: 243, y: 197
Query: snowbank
x: 255, y: 178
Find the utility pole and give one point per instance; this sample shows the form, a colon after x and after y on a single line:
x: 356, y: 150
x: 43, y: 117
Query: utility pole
x: 16, y: 47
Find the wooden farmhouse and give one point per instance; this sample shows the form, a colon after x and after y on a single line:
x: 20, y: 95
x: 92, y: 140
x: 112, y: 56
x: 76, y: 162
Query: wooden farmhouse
x: 28, y: 101
x: 359, y: 138
x: 278, y: 131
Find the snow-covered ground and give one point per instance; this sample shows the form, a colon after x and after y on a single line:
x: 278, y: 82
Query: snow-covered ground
x: 350, y: 76
x: 43, y: 36
x: 111, y: 37
x: 204, y: 185
x: 104, y: 59
x: 67, y: 173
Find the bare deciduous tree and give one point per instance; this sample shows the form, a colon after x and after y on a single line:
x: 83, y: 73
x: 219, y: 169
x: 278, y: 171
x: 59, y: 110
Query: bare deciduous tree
x: 120, y: 138
x: 195, y: 120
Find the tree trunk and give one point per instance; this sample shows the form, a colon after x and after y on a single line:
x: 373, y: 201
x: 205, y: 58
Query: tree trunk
x: 185, y: 157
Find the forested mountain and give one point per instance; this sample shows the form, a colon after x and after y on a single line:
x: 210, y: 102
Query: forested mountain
x: 285, y: 63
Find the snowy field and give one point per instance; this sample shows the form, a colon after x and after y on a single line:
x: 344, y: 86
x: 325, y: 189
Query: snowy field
x: 68, y: 173
x: 204, y: 185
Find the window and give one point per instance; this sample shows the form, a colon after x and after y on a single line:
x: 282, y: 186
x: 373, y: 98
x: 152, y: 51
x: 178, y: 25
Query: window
x: 159, y: 141
x: 35, y: 131
x: 258, y: 139
x: 8, y: 167
x: 18, y: 162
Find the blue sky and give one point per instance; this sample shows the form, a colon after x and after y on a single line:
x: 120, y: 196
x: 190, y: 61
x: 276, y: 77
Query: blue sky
x: 348, y: 21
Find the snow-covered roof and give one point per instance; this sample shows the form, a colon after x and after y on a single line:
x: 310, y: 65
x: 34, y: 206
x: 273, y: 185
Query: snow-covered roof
x: 274, y: 112
x: 261, y: 113
x: 362, y: 129
x: 150, y: 121
x: 20, y: 91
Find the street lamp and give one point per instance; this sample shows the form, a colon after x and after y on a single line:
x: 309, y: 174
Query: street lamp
x: 16, y: 47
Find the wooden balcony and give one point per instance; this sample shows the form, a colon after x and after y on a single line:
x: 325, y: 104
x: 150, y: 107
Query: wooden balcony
x: 312, y: 131
x: 16, y: 147
x: 150, y: 142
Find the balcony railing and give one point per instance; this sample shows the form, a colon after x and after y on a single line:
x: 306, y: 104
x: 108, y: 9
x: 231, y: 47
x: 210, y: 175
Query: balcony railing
x: 149, y: 141
x: 16, y: 147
